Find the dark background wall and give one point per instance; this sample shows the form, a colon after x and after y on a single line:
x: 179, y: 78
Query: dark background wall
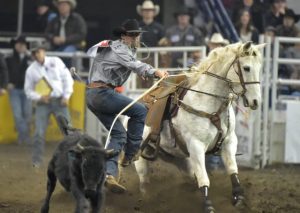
x: 101, y: 15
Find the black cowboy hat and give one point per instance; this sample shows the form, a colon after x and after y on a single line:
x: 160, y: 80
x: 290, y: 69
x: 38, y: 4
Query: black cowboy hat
x: 19, y: 39
x: 129, y: 26
x: 291, y: 13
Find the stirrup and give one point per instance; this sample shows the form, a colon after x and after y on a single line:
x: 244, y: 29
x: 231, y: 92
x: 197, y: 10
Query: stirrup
x: 150, y: 147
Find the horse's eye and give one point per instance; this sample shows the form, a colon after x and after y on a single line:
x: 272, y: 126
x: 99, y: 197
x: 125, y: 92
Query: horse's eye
x: 247, y: 53
x: 247, y: 69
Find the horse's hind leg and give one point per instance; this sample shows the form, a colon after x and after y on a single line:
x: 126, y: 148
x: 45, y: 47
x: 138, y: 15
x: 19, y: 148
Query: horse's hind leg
x: 197, y: 159
x: 228, y: 156
x: 142, y: 168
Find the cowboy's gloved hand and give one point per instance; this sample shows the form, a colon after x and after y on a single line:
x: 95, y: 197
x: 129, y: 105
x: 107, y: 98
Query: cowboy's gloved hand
x: 161, y: 73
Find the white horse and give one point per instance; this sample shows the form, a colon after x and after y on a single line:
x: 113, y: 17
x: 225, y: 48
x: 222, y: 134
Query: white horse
x: 227, y: 72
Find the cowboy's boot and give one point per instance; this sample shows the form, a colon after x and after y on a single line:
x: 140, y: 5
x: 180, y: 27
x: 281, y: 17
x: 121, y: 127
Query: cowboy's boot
x: 112, y: 184
x: 125, y: 161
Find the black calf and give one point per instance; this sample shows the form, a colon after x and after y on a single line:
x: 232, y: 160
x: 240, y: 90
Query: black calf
x: 79, y: 165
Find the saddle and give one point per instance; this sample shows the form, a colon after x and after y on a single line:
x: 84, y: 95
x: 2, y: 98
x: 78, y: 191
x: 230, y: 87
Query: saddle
x: 158, y: 102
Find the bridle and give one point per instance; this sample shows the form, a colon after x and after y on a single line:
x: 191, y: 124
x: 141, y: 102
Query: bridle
x: 231, y: 83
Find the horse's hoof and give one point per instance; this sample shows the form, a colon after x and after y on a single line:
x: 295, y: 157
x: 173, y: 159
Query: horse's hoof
x: 239, y: 201
x: 208, y: 208
x: 144, y: 188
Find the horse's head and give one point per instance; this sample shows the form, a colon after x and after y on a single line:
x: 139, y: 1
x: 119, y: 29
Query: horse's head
x: 245, y: 73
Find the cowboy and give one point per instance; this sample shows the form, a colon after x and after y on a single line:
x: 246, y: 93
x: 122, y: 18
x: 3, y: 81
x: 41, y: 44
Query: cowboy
x: 68, y: 30
x: 155, y: 31
x: 52, y: 70
x: 111, y: 68
x: 217, y: 40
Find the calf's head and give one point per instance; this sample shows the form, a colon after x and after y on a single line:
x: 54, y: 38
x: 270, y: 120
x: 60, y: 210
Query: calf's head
x: 90, y: 160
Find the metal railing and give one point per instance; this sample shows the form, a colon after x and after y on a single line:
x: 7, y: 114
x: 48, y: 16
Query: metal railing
x: 276, y: 99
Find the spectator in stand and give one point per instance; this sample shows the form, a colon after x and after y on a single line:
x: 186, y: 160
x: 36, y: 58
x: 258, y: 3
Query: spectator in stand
x: 183, y: 34
x: 245, y: 29
x: 68, y: 30
x: 288, y: 28
x: 3, y: 75
x: 256, y: 10
x: 293, y: 70
x: 274, y: 17
x: 44, y: 15
x: 59, y: 78
x: 217, y: 40
x: 155, y: 31
x: 17, y: 64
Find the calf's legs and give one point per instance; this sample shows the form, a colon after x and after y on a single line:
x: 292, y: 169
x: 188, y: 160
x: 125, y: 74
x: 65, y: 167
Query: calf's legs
x: 51, y: 183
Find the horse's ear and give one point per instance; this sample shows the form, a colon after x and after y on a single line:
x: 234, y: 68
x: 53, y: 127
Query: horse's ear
x: 247, y: 45
x: 260, y: 46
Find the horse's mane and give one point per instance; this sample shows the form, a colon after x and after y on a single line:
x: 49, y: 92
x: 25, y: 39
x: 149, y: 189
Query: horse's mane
x: 222, y: 55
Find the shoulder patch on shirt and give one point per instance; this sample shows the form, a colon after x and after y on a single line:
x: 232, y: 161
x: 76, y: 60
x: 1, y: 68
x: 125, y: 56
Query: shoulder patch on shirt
x: 104, y: 43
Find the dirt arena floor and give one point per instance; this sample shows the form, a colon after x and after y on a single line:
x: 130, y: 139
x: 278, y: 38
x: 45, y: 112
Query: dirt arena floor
x: 22, y: 189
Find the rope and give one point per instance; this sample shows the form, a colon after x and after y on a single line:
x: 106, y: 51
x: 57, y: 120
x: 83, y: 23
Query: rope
x: 133, y: 102
x: 128, y: 106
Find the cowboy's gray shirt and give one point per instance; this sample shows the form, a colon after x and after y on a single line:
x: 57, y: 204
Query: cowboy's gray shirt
x: 115, y: 63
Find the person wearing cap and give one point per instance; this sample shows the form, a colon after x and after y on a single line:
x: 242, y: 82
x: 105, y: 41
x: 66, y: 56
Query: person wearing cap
x: 44, y: 15
x: 217, y: 40
x: 55, y: 73
x: 3, y: 75
x: 274, y: 16
x: 183, y: 34
x: 288, y: 28
x: 155, y: 31
x: 68, y: 30
x: 17, y: 64
x: 111, y: 68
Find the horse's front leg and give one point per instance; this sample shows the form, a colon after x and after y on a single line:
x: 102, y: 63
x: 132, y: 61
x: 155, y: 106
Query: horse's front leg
x: 142, y: 168
x: 228, y: 156
x: 197, y: 158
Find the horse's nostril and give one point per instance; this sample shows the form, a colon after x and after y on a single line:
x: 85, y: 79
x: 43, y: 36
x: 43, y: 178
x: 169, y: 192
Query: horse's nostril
x: 246, y: 102
x: 255, y: 102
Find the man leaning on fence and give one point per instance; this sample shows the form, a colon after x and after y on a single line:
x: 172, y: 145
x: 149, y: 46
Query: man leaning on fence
x: 68, y: 30
x: 53, y: 73
x: 17, y: 64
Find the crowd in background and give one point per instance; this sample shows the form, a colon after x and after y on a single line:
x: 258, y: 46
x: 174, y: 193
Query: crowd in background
x: 65, y: 30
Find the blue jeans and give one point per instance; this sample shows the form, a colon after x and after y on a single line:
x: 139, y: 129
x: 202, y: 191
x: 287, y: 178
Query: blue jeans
x: 42, y: 114
x: 21, y: 107
x: 213, y: 162
x: 105, y: 103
